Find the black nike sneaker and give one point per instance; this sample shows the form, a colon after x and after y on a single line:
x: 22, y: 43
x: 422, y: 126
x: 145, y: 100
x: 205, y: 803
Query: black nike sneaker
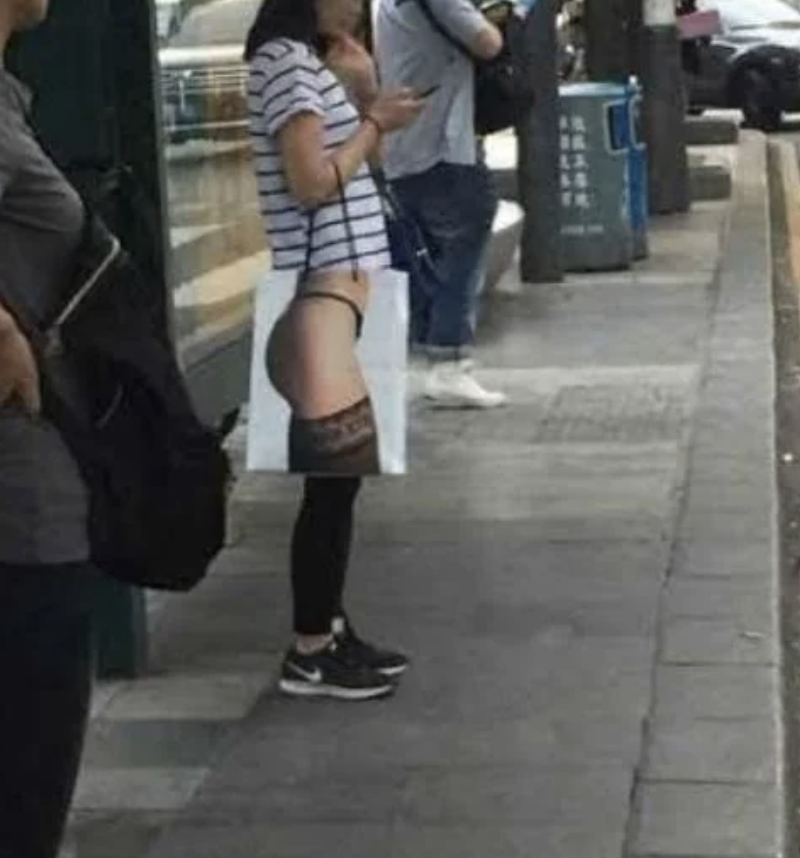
x: 331, y: 672
x: 384, y: 661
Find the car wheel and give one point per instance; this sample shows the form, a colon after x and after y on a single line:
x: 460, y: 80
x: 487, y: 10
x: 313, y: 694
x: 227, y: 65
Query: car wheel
x: 759, y: 101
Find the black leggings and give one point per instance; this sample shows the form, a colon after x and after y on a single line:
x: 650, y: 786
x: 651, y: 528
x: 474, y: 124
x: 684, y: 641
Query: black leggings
x: 320, y: 551
x: 46, y: 670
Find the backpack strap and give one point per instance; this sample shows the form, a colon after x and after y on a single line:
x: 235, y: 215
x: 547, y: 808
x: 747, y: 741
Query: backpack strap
x: 426, y: 10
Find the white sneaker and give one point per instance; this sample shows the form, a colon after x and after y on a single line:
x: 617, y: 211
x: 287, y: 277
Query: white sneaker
x: 451, y: 385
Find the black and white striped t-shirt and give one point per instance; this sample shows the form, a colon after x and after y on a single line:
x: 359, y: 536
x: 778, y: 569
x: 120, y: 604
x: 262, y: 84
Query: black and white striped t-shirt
x: 287, y: 78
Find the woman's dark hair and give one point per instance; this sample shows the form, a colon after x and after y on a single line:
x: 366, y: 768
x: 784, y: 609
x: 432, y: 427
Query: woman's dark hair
x: 283, y: 19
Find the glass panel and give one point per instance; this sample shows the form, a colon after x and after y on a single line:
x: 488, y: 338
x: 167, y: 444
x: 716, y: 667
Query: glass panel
x: 217, y: 238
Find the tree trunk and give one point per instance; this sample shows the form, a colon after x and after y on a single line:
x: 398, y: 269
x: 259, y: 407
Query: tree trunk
x: 607, y: 44
x: 538, y: 160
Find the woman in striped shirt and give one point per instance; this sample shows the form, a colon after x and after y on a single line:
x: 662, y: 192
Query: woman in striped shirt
x: 317, y: 119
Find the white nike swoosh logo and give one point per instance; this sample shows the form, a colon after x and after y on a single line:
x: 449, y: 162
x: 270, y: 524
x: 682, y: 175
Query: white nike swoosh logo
x: 314, y: 676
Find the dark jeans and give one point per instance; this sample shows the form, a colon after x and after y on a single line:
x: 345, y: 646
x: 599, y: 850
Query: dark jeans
x: 454, y: 205
x: 321, y: 543
x: 46, y: 669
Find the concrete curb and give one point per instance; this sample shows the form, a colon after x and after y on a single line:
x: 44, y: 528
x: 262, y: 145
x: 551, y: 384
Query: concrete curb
x: 711, y: 781
x: 711, y: 131
x: 790, y: 179
x: 708, y: 182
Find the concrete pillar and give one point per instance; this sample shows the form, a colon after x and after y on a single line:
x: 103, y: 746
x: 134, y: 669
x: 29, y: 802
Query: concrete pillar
x: 538, y: 160
x: 664, y: 109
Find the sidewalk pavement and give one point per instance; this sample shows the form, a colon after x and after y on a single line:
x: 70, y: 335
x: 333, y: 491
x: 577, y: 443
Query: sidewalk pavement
x: 587, y: 581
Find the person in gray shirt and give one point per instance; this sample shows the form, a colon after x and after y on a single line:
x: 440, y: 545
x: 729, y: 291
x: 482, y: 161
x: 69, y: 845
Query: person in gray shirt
x: 436, y: 169
x: 45, y: 576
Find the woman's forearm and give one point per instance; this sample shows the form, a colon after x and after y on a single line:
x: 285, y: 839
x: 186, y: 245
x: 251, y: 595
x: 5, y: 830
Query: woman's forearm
x: 311, y: 173
x: 359, y: 149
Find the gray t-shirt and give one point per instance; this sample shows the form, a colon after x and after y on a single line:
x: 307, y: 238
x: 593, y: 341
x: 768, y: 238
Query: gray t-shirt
x: 410, y: 52
x: 42, y: 496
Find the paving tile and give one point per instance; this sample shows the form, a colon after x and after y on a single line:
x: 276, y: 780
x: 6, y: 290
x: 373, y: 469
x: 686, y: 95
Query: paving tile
x: 748, y: 602
x: 719, y: 751
x: 149, y: 744
x: 631, y: 414
x: 718, y: 641
x: 286, y: 749
x: 499, y: 491
x: 690, y: 820
x: 730, y: 485
x: 224, y: 697
x: 627, y: 618
x: 265, y: 537
x: 559, y: 672
x: 502, y: 562
x: 716, y: 691
x: 721, y: 525
x: 137, y: 789
x: 735, y: 558
x: 526, y: 796
x: 508, y: 841
x: 275, y: 839
x: 375, y: 799
x: 115, y: 833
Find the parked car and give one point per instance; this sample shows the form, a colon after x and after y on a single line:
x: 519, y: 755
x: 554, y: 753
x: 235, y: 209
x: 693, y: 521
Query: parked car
x: 753, y: 65
x: 203, y: 75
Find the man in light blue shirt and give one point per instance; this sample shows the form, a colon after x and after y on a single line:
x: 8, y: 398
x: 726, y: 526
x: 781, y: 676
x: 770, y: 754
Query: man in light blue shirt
x: 437, y: 170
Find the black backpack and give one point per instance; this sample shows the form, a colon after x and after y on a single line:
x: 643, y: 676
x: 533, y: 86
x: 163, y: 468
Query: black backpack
x: 503, y: 92
x: 157, y: 477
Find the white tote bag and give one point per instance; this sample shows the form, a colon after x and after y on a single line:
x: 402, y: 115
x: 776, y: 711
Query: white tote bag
x: 382, y: 352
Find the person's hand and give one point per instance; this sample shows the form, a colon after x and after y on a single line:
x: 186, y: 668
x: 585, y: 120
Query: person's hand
x: 395, y: 110
x: 350, y: 61
x: 19, y: 375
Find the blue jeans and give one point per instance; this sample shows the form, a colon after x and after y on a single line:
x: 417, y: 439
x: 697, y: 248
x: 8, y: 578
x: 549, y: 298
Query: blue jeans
x: 454, y: 205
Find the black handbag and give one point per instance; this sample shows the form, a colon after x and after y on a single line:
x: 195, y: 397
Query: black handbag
x: 410, y: 253
x: 503, y: 92
x: 111, y: 384
x: 408, y: 248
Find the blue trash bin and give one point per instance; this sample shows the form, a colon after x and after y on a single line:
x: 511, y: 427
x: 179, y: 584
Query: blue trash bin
x: 596, y: 224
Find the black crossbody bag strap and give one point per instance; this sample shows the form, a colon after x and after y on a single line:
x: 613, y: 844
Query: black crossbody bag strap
x: 348, y: 226
x: 426, y: 10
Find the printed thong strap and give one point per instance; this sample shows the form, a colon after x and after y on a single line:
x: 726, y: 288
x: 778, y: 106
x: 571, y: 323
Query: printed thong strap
x: 342, y: 299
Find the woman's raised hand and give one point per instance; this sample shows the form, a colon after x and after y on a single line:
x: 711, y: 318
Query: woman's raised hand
x: 395, y: 109
x: 350, y: 61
